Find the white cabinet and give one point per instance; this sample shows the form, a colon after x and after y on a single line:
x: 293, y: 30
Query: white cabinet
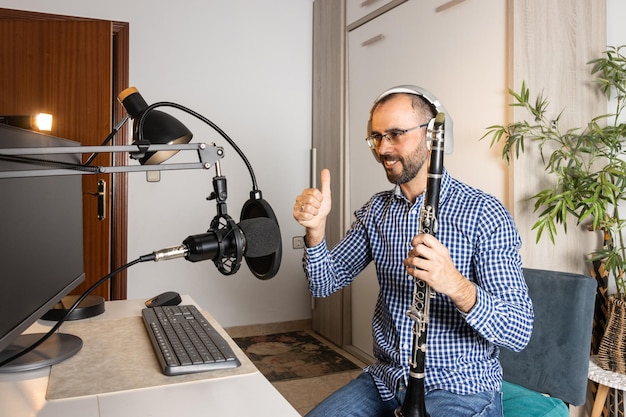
x: 459, y: 55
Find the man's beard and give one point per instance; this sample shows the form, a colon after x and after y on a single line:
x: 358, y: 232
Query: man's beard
x: 410, y: 166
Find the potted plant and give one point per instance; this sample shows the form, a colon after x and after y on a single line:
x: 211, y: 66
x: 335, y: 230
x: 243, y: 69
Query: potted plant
x: 588, y: 165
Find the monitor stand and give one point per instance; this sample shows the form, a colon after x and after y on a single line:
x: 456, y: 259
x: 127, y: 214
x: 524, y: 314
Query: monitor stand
x: 91, y: 306
x: 57, y: 348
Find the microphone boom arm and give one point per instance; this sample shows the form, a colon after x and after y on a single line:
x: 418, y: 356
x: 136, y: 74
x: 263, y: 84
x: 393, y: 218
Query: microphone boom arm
x: 208, y: 156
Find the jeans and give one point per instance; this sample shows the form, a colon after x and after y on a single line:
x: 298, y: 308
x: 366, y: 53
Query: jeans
x: 360, y: 398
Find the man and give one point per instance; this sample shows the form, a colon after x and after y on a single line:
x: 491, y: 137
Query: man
x: 473, y: 267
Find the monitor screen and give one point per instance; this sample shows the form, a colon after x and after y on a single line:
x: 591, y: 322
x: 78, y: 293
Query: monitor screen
x: 41, y: 239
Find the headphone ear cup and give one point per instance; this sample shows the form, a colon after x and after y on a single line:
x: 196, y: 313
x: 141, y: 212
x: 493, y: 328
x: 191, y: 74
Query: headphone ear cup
x: 369, y: 132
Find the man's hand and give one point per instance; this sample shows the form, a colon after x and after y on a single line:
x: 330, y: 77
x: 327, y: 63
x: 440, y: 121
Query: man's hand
x: 311, y: 209
x: 430, y: 261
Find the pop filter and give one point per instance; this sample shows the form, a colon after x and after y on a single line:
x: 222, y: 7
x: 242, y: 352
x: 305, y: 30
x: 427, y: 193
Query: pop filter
x: 263, y: 267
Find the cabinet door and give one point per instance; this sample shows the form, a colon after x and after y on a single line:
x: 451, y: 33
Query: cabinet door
x: 358, y: 9
x: 459, y: 56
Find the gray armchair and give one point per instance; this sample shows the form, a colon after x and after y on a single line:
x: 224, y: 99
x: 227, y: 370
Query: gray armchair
x: 556, y: 360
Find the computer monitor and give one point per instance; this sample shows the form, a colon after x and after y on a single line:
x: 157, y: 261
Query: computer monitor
x: 41, y: 250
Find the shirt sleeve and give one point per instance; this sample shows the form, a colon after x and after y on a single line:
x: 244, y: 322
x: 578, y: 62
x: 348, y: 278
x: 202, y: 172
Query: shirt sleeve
x: 503, y: 312
x: 330, y: 270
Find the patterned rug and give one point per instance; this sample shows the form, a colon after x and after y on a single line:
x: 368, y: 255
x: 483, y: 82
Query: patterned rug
x: 292, y: 355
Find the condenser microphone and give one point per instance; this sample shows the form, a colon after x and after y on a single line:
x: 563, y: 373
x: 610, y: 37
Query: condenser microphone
x: 253, y: 238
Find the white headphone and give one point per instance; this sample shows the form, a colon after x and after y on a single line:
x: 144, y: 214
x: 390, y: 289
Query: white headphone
x: 430, y: 98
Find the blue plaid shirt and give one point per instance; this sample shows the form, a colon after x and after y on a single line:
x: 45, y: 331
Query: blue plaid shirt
x: 482, y: 239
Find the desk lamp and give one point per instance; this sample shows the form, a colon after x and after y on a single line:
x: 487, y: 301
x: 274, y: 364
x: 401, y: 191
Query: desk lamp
x: 158, y: 127
x: 161, y: 128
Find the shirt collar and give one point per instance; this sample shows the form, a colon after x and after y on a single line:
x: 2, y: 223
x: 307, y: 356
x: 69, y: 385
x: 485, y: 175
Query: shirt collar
x: 443, y: 191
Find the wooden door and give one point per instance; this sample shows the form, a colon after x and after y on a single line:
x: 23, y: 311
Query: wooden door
x: 65, y: 66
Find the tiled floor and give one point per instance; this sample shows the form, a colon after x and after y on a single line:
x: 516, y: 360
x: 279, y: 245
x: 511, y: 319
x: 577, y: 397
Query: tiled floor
x: 304, y: 394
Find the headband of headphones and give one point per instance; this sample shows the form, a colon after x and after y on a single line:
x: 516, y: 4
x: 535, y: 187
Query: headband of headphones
x: 412, y: 89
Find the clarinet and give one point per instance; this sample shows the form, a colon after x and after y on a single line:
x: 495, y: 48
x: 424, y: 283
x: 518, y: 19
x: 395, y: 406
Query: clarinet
x: 413, y: 405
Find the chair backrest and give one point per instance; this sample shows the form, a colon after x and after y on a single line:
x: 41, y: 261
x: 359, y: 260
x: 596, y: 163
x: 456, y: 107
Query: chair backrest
x: 556, y: 360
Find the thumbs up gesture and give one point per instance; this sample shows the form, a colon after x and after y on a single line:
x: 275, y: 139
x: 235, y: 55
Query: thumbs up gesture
x: 311, y: 209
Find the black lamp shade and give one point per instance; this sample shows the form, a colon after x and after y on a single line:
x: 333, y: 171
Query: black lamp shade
x: 159, y: 128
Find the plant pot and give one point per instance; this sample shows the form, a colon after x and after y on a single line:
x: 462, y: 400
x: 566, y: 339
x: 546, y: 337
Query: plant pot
x: 612, y: 350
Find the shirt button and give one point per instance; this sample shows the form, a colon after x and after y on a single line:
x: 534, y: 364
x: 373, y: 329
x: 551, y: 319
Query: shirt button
x: 405, y: 346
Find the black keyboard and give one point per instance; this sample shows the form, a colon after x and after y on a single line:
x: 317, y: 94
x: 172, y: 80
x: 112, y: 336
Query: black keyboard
x: 185, y: 342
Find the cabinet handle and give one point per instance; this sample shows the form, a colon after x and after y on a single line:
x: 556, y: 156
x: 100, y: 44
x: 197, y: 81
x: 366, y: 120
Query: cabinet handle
x: 313, y: 173
x: 447, y: 5
x: 367, y: 3
x: 374, y: 39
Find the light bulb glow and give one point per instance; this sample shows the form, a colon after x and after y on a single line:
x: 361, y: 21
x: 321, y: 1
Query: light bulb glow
x: 43, y: 121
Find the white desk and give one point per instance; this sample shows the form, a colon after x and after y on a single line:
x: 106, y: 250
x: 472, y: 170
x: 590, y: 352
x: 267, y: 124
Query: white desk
x: 230, y: 394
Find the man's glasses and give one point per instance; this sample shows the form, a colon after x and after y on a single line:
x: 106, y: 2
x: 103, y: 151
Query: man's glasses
x: 393, y: 136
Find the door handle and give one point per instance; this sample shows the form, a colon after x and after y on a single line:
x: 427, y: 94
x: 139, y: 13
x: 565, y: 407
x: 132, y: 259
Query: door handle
x: 102, y: 202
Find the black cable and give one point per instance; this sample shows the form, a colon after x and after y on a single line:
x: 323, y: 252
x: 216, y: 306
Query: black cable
x: 205, y: 120
x: 144, y: 258
x: 107, y: 139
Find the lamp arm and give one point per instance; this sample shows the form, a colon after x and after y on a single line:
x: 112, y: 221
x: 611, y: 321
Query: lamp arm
x: 197, y: 115
x: 207, y: 154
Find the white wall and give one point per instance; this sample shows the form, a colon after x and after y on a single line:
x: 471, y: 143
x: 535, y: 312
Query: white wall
x: 245, y: 65
x: 616, y: 31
